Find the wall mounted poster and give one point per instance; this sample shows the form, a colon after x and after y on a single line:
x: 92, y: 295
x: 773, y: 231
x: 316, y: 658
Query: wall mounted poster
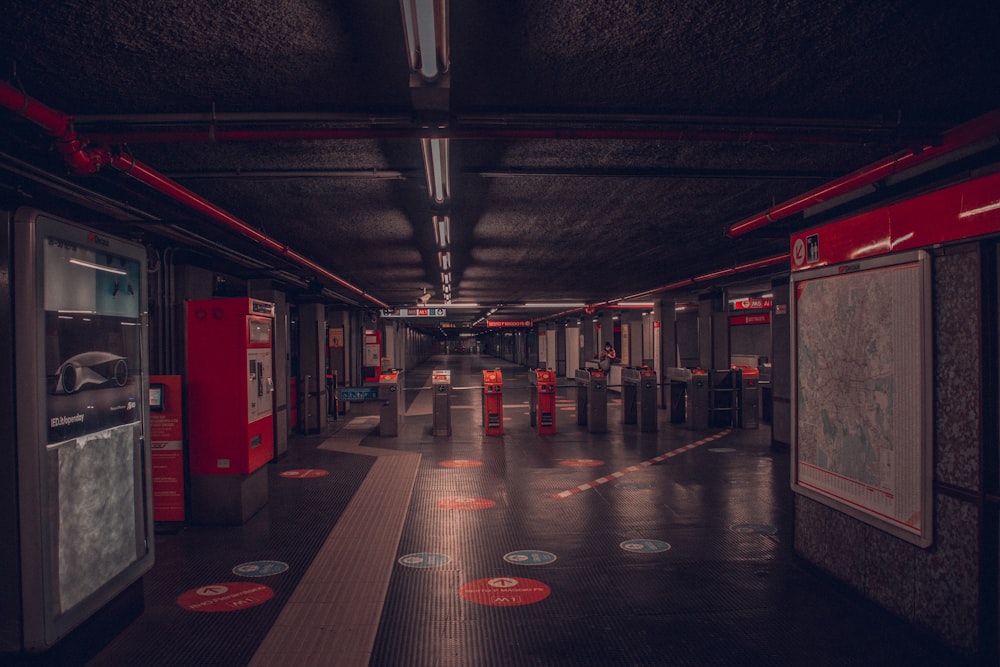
x: 861, y: 366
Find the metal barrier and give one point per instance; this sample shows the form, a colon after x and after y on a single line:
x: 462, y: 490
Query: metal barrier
x: 592, y: 399
x: 441, y: 384
x: 689, y: 397
x: 639, y: 397
x: 391, y: 410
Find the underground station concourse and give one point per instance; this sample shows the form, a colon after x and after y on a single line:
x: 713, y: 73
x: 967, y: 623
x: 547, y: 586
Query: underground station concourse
x: 477, y: 512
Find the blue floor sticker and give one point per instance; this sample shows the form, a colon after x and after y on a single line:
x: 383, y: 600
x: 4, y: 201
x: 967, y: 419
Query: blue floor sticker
x: 530, y: 557
x: 753, y: 528
x: 643, y: 546
x: 260, y: 568
x: 424, y: 560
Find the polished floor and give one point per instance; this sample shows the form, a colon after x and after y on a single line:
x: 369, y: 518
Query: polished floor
x: 671, y: 547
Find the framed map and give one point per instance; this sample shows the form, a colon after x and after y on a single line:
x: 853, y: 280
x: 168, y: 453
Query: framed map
x: 863, y: 396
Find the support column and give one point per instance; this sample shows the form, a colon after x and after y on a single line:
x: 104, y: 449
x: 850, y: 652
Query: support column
x: 312, y: 366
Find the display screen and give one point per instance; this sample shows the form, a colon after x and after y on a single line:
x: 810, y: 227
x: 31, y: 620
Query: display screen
x: 156, y: 397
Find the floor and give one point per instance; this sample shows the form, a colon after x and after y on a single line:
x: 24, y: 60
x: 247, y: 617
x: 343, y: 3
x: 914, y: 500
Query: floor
x: 626, y: 547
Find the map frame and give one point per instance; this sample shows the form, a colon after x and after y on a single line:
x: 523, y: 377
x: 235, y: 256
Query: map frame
x: 893, y: 490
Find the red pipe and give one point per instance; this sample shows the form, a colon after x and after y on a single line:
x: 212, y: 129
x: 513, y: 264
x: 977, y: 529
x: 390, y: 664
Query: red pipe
x: 88, y: 160
x: 686, y: 282
x: 964, y: 135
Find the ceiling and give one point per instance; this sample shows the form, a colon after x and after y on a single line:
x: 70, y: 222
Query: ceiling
x: 597, y: 150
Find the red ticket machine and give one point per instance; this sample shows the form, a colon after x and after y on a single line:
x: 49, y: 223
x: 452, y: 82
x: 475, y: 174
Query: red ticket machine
x: 230, y: 402
x: 546, y: 396
x: 493, y: 402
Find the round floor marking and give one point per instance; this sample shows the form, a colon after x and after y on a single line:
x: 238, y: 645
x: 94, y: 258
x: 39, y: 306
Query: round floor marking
x: 753, y: 529
x: 581, y: 463
x: 228, y: 596
x: 721, y: 450
x: 260, y: 568
x: 461, y: 463
x: 504, y: 591
x: 304, y: 473
x: 462, y: 503
x: 644, y: 546
x: 529, y: 557
x: 424, y: 560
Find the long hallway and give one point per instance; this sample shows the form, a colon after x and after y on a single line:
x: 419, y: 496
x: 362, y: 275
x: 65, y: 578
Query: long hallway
x: 578, y: 548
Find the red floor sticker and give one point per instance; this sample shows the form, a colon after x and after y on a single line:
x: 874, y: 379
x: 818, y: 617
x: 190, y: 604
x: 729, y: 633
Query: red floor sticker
x: 461, y: 463
x: 504, y: 591
x: 582, y: 463
x: 465, y: 503
x: 230, y: 596
x: 304, y: 473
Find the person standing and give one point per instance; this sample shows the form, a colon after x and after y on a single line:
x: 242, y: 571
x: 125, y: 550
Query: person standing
x: 608, y: 356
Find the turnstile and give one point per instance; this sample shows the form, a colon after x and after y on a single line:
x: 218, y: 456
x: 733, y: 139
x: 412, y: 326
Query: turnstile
x: 543, y: 399
x: 639, y: 397
x: 391, y: 410
x: 749, y: 397
x: 689, y: 397
x: 441, y: 386
x: 592, y: 399
x: 493, y: 402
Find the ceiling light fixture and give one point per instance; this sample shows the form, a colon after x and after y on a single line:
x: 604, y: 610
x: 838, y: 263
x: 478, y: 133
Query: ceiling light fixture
x: 425, y: 23
x: 436, y: 167
x: 442, y: 231
x: 444, y: 260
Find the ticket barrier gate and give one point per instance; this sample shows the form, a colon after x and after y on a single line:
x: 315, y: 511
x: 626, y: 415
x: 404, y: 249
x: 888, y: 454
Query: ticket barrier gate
x: 689, y: 397
x: 749, y: 396
x: 543, y: 399
x: 441, y: 385
x: 592, y: 399
x: 493, y: 402
x: 391, y: 410
x: 639, y: 397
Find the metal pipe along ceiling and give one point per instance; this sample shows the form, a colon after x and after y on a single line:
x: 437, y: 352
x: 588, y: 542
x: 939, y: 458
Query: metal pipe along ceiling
x: 86, y: 159
x: 979, y: 129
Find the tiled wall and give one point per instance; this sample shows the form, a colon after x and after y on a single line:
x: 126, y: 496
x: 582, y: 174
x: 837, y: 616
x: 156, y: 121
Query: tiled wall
x: 935, y: 588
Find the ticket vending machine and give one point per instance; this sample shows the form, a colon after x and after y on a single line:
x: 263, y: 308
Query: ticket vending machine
x: 545, y: 396
x: 493, y: 402
x: 76, y: 518
x: 230, y: 403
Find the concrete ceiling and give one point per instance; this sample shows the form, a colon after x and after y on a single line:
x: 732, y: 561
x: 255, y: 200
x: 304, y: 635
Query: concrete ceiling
x: 598, y: 149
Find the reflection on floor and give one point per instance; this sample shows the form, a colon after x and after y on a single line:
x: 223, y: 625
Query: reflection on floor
x: 620, y: 548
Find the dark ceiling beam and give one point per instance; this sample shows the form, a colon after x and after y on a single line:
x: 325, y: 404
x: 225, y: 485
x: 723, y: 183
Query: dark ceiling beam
x: 159, y: 128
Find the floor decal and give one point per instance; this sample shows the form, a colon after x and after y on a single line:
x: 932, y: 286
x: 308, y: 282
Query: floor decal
x: 529, y: 557
x: 230, y: 596
x: 260, y: 568
x: 424, y: 560
x: 644, y: 546
x: 504, y: 591
x: 645, y: 464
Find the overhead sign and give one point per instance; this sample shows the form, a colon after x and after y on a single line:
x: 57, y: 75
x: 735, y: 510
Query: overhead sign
x: 498, y: 324
x: 417, y: 312
x: 753, y: 303
x: 740, y: 320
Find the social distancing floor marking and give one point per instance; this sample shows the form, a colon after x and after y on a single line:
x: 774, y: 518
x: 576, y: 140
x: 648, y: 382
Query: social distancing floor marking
x: 639, y: 466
